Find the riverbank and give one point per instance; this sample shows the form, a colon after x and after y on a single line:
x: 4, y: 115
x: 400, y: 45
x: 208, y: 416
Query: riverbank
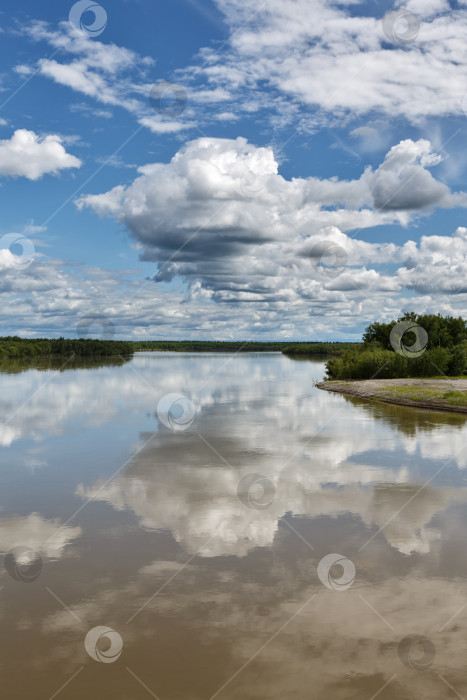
x: 438, y: 394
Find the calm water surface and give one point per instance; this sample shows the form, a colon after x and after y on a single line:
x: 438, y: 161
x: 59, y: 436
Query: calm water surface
x: 204, y: 549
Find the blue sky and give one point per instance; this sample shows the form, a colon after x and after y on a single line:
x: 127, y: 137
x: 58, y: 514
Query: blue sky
x: 301, y: 127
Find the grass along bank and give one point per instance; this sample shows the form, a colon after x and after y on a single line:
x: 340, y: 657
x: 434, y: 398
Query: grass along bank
x: 440, y: 394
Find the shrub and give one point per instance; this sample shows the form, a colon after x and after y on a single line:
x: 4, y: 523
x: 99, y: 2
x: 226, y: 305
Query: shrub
x: 457, y: 362
x: 387, y: 364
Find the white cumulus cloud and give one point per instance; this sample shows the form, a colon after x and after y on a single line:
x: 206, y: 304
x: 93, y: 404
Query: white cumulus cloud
x: 28, y: 155
x: 221, y: 216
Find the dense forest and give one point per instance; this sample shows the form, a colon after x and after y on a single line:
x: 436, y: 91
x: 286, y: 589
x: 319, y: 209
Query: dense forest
x: 15, y: 347
x: 440, y: 344
x: 442, y: 331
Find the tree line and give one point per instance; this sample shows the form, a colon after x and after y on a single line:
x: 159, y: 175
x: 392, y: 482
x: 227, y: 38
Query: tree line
x: 207, y: 346
x: 287, y: 347
x: 15, y: 347
x: 336, y: 348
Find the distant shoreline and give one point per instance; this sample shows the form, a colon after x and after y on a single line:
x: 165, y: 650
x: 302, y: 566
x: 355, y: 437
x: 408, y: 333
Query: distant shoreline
x: 432, y: 394
x: 14, y: 347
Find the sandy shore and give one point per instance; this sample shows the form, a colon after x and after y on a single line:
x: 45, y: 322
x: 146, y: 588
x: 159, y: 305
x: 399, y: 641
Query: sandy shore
x: 439, y: 394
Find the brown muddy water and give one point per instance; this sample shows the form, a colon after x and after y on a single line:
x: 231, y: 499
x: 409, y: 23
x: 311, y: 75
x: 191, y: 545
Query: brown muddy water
x: 191, y: 527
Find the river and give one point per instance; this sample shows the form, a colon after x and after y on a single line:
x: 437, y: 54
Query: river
x: 200, y: 526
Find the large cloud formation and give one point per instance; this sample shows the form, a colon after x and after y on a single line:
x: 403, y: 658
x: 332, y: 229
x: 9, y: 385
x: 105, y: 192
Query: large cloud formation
x: 221, y: 219
x: 221, y: 216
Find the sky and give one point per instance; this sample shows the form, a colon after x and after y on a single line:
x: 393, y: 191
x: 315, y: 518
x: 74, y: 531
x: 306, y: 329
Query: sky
x: 231, y: 169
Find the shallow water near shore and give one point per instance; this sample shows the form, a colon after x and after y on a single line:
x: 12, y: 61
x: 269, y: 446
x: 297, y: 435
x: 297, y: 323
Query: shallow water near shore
x: 202, y: 539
